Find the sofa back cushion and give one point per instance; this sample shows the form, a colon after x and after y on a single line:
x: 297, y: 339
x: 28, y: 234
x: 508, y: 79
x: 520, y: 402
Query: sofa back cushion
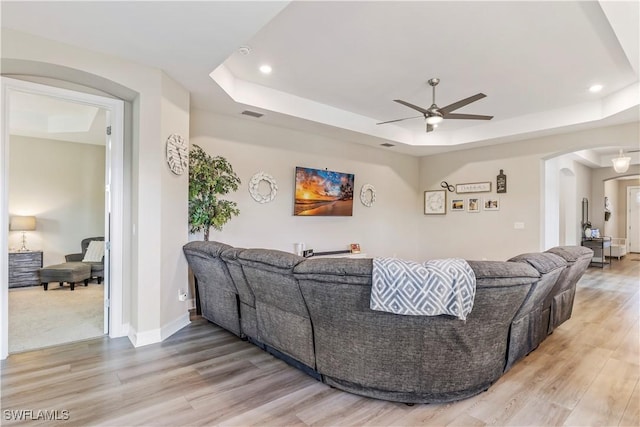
x: 282, y: 316
x: 230, y: 257
x: 577, y: 258
x: 550, y: 267
x: 216, y: 289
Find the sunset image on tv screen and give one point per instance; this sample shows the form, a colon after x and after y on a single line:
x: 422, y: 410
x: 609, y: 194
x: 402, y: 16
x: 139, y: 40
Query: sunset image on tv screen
x: 323, y: 193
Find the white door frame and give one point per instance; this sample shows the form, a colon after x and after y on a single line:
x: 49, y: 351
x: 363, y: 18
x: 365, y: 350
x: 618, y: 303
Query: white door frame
x: 628, y: 224
x: 114, y: 223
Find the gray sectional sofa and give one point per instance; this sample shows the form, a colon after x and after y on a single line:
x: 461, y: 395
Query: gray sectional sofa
x: 314, y: 314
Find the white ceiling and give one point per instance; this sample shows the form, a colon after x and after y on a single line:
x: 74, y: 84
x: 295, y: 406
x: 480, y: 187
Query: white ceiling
x: 51, y: 118
x: 338, y: 66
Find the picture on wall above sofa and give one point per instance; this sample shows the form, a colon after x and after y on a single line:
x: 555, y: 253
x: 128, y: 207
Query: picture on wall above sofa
x: 323, y: 193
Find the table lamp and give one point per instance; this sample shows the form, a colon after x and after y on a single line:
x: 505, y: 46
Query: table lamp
x: 24, y: 224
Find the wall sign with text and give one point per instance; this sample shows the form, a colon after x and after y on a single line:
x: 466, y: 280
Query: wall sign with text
x: 474, y: 187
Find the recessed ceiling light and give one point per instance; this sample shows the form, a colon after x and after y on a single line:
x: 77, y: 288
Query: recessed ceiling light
x: 595, y: 88
x: 265, y: 69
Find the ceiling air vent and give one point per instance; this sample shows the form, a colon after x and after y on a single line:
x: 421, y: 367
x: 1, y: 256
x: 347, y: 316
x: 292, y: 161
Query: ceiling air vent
x: 386, y: 144
x: 252, y: 114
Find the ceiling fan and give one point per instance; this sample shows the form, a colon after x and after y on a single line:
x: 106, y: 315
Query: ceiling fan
x: 434, y: 114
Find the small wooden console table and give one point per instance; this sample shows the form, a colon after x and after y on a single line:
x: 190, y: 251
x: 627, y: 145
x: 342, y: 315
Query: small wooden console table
x: 598, y: 245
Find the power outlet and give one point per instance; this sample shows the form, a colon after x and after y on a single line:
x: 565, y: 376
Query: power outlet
x: 182, y: 295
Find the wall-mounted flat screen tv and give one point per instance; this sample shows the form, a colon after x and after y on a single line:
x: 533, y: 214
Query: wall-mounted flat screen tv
x: 323, y: 193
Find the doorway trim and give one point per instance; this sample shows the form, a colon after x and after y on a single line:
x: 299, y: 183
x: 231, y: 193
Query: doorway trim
x: 630, y: 189
x: 115, y: 169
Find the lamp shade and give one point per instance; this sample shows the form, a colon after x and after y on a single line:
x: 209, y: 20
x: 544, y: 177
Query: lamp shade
x: 434, y: 119
x: 22, y: 223
x: 620, y: 163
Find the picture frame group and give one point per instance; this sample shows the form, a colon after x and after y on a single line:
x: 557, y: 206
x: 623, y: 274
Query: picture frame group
x: 474, y: 204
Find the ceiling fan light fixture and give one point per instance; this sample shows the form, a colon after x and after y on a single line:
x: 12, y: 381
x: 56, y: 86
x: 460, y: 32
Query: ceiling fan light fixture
x: 434, y: 119
x: 620, y: 163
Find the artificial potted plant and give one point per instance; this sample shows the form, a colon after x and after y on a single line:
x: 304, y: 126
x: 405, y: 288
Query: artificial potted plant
x: 209, y: 178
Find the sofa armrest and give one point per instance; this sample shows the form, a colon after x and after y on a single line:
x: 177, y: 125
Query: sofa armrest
x: 73, y: 257
x: 544, y: 262
x: 571, y: 254
x: 206, y: 250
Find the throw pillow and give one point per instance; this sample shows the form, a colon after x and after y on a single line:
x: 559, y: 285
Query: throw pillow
x: 95, y: 251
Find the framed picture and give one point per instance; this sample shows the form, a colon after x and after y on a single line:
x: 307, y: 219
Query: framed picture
x: 457, y: 205
x: 355, y: 248
x: 473, y: 204
x: 435, y: 202
x: 491, y: 204
x: 323, y: 193
x: 474, y: 187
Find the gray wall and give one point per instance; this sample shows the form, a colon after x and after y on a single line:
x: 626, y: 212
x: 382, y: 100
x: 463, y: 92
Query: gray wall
x: 385, y: 229
x: 62, y: 184
x: 396, y: 224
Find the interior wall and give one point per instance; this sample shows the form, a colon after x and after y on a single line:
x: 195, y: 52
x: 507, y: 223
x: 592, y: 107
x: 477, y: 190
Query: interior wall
x: 568, y: 216
x: 485, y: 234
x: 622, y: 204
x: 62, y: 185
x: 252, y: 147
x: 493, y: 235
x: 175, y: 119
x: 612, y: 191
x: 583, y: 189
x: 385, y: 229
x: 567, y: 183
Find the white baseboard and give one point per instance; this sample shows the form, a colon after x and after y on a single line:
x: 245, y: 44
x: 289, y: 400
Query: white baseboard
x: 121, y: 331
x: 139, y: 339
x: 174, y: 326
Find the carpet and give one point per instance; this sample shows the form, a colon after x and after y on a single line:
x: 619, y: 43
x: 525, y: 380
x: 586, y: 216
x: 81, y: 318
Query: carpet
x: 41, y: 319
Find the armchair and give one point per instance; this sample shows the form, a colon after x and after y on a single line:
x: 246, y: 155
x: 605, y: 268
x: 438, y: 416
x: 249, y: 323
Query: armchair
x: 97, y: 268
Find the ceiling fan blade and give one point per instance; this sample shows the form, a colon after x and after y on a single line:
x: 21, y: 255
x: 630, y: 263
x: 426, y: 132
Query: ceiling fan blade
x: 467, y: 116
x: 452, y: 107
x: 415, y: 107
x: 399, y: 120
x: 429, y: 128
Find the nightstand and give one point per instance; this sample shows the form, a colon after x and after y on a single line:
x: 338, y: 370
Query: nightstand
x: 24, y: 268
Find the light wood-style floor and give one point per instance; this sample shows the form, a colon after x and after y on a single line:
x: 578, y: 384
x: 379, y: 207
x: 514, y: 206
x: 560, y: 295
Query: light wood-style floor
x: 586, y: 373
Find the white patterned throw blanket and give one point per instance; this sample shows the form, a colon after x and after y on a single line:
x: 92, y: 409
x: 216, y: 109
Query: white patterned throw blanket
x: 440, y: 286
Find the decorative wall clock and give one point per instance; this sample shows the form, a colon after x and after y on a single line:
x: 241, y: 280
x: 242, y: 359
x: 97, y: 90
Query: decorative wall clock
x: 254, y: 187
x: 177, y: 154
x: 368, y: 195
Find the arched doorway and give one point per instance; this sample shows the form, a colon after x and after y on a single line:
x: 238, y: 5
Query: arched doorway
x: 114, y: 200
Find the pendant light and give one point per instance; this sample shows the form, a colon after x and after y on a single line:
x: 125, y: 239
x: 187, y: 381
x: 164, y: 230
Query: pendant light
x: 620, y: 163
